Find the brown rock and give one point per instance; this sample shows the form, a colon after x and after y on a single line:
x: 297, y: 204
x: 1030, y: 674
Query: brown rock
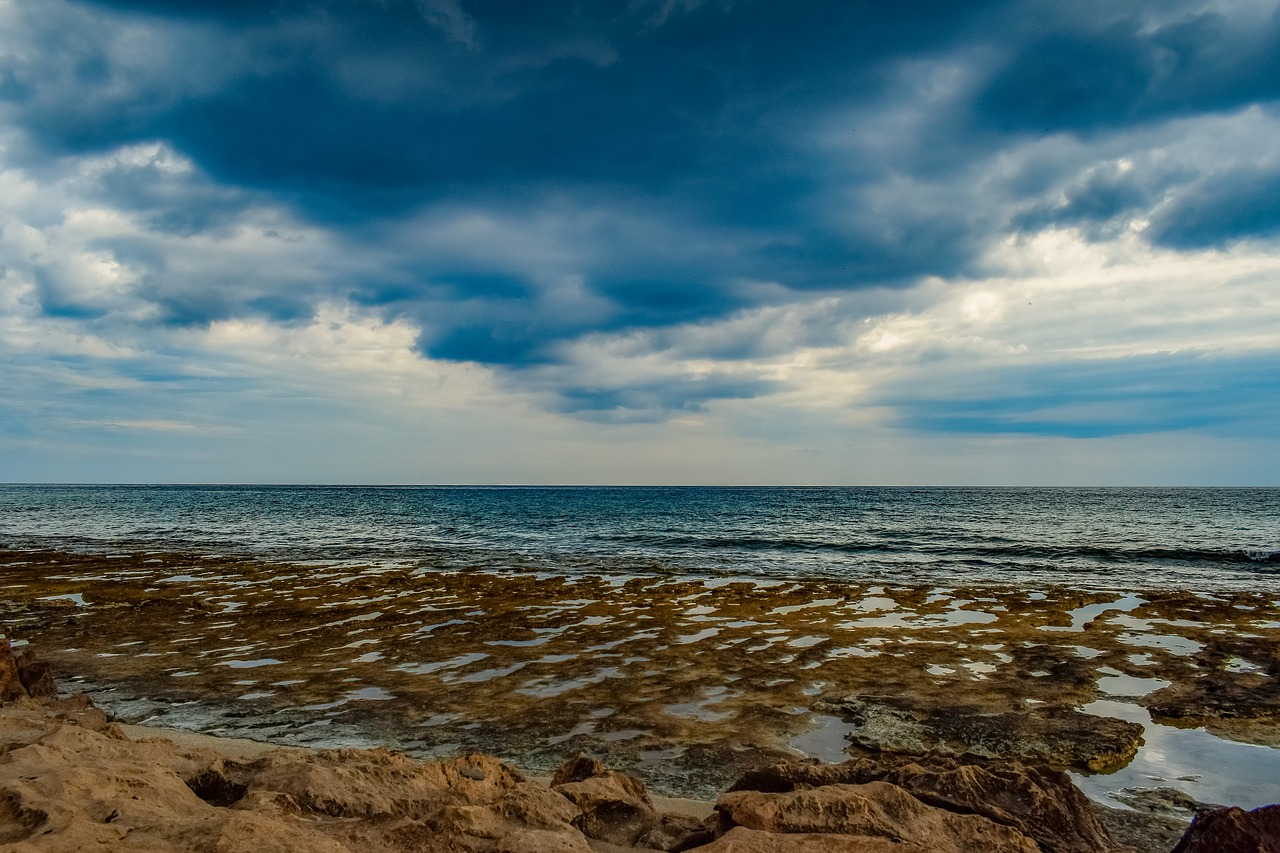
x: 743, y: 840
x: 612, y: 806
x: 578, y: 768
x: 78, y: 709
x: 216, y: 787
x: 1233, y: 830
x: 542, y: 841
x: 1039, y: 802
x: 367, y: 783
x: 615, y: 809
x: 36, y: 676
x: 247, y: 832
x: 876, y: 810
x: 1144, y: 832
x: 11, y: 686
x: 1218, y: 695
x: 68, y: 788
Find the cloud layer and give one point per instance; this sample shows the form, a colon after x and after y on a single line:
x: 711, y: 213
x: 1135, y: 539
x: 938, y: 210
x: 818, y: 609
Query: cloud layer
x: 771, y: 228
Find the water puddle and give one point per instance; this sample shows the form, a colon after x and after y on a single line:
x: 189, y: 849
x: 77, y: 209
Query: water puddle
x: 826, y: 740
x: 436, y: 666
x: 76, y: 598
x: 250, y: 664
x: 1116, y: 683
x: 1207, y: 768
x: 1169, y: 642
x: 1082, y: 616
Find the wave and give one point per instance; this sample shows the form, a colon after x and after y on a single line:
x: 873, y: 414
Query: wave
x: 952, y: 549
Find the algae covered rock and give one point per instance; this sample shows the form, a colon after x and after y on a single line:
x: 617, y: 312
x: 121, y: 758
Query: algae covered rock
x: 1058, y: 737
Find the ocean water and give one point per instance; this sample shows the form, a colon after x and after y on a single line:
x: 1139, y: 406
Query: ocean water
x: 1113, y: 538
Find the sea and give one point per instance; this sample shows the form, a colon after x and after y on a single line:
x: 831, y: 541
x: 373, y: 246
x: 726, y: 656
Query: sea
x: 1106, y: 538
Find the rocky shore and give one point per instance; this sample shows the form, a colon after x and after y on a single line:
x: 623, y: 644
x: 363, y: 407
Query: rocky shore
x: 685, y: 682
x: 71, y: 779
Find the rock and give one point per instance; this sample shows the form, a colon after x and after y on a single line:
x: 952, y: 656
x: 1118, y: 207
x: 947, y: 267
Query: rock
x: 613, y: 807
x: 65, y: 787
x: 527, y: 814
x: 1163, y: 800
x: 11, y: 686
x: 216, y: 787
x: 354, y: 783
x: 743, y: 840
x: 1144, y: 832
x: 1218, y: 695
x: 542, y: 841
x: 577, y: 769
x: 1039, y: 802
x: 1059, y: 737
x: 36, y: 676
x: 1242, y: 706
x: 1233, y: 830
x: 876, y: 810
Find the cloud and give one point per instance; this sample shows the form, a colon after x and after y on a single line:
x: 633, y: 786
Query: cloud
x: 450, y: 18
x: 648, y: 213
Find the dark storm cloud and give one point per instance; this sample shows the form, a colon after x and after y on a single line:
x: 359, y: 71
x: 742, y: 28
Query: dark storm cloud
x: 638, y: 402
x: 674, y: 148
x: 1241, y: 203
x: 1117, y: 67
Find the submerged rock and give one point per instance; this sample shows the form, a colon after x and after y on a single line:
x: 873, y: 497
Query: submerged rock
x: 1059, y: 737
x: 1163, y: 800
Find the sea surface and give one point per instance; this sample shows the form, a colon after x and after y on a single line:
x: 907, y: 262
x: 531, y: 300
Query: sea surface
x: 1110, y: 538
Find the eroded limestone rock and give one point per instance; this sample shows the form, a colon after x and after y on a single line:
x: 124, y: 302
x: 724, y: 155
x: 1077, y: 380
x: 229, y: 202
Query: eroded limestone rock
x: 1059, y: 737
x: 615, y: 808
x: 1038, y: 802
x: 1240, y: 705
x: 876, y: 810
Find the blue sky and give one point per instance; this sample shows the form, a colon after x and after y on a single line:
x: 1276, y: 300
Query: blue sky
x: 644, y: 241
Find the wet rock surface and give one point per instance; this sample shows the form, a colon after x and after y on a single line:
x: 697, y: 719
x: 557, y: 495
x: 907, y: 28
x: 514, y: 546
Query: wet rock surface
x: 1243, y: 705
x: 1142, y: 831
x: 686, y: 683
x: 1163, y: 800
x: 1060, y: 737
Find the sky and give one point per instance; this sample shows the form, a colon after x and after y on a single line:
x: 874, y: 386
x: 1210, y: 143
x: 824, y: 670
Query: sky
x: 641, y: 241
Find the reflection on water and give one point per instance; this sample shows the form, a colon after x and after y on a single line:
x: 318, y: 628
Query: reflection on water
x: 1207, y: 768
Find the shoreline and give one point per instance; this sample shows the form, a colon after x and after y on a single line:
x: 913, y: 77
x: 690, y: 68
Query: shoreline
x: 686, y: 684
x: 349, y: 801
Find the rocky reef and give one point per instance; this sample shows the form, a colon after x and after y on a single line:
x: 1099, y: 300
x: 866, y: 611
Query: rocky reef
x: 71, y: 780
x: 684, y: 682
